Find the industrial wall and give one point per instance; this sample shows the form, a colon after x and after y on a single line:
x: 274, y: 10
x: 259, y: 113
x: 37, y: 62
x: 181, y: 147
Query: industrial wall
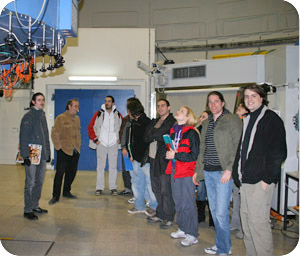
x: 211, y: 26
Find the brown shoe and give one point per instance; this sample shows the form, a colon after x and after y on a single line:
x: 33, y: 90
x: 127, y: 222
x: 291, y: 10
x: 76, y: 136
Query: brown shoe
x: 150, y: 212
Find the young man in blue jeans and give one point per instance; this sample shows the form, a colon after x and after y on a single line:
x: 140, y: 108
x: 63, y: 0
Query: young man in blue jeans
x: 139, y: 154
x: 218, y: 145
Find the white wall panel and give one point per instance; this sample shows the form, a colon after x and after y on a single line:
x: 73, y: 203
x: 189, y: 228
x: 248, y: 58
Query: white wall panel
x: 11, y: 114
x: 104, y: 52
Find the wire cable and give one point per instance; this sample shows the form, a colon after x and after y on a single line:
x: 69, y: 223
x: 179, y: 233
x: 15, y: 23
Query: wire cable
x: 6, y: 30
x: 5, y: 59
x: 15, y: 4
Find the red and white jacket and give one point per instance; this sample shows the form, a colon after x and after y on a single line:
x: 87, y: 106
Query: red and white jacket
x: 104, y: 127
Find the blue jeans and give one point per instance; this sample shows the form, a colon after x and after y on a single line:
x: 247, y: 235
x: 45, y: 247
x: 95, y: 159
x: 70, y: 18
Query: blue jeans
x: 201, y: 191
x: 142, y: 182
x: 219, y: 198
x: 147, y: 197
x: 34, y: 181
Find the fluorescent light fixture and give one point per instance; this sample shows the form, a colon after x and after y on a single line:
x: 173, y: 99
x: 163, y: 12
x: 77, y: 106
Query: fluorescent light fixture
x: 93, y: 78
x: 203, y: 90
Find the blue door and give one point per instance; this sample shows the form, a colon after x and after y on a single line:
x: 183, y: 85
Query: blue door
x: 90, y: 101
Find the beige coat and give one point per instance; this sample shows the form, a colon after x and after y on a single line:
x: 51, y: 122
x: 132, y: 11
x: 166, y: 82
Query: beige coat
x: 66, y: 133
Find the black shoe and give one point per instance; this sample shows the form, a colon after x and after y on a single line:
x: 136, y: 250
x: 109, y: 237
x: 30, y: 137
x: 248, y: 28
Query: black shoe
x: 40, y: 210
x: 166, y: 224
x: 70, y: 195
x: 53, y: 201
x: 153, y: 219
x: 98, y: 192
x: 30, y: 216
x: 114, y: 192
x: 125, y: 193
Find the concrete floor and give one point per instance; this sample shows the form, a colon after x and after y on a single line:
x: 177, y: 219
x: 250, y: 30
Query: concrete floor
x: 99, y: 225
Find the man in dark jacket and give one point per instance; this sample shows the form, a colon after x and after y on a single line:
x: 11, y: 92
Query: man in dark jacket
x: 160, y: 182
x: 124, y: 138
x: 138, y: 151
x: 257, y: 169
x: 34, y: 131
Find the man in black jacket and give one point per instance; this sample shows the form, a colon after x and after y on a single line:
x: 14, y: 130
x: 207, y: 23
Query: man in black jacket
x: 34, y: 131
x: 139, y: 151
x: 257, y: 169
x: 160, y: 182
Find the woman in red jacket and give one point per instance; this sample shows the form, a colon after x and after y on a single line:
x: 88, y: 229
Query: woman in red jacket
x: 181, y: 167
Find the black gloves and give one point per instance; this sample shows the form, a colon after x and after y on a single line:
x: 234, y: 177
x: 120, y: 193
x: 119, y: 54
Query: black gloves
x: 48, y: 160
x: 27, y: 161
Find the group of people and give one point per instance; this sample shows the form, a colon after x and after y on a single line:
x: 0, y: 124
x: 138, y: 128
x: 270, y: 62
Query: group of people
x: 243, y: 150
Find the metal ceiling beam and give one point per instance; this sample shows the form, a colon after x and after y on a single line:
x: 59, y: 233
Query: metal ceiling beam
x: 233, y: 45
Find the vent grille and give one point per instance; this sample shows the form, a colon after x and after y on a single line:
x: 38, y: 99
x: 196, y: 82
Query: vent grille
x: 187, y: 72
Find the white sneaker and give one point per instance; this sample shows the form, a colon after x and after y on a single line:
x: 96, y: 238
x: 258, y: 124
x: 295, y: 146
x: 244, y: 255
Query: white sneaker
x: 131, y: 200
x: 178, y: 234
x: 189, y: 240
x: 213, y: 250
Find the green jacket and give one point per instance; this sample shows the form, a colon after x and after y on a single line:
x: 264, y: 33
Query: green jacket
x: 227, y: 135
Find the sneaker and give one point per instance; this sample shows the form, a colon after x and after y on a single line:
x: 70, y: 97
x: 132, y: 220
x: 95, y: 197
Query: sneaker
x: 166, y: 224
x: 150, y: 212
x: 114, y: 192
x: 131, y: 200
x: 233, y: 228
x: 189, y: 240
x: 213, y: 250
x: 239, y: 235
x: 98, y: 192
x: 153, y: 219
x: 134, y: 210
x: 178, y: 234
